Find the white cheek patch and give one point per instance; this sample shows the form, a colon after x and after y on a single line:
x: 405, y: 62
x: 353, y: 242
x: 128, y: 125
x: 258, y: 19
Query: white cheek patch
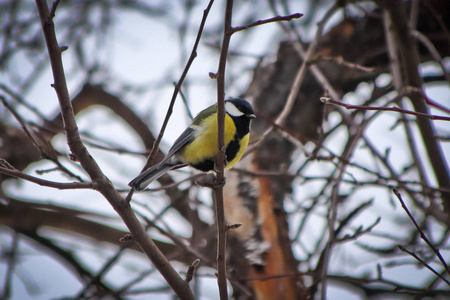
x: 232, y: 109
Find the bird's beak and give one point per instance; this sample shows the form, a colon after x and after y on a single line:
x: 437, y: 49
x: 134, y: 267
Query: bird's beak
x: 251, y: 116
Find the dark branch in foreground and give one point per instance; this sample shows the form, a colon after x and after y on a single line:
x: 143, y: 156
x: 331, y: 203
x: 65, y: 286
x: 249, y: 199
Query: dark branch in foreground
x: 104, y: 186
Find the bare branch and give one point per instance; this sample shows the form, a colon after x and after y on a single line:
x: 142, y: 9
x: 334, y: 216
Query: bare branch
x: 271, y: 20
x: 53, y: 10
x: 327, y: 100
x: 424, y: 264
x: 409, y: 65
x: 422, y: 234
x: 178, y: 86
x: 432, y: 49
x: 88, y: 163
x: 42, y: 182
x: 220, y: 159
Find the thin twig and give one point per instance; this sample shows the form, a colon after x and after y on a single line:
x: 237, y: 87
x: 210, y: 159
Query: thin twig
x: 417, y: 159
x: 178, y: 86
x: 340, y: 60
x: 41, y: 143
x: 271, y: 20
x: 393, y: 285
x: 430, y: 102
x: 22, y: 101
x: 433, y: 51
x: 42, y: 182
x: 422, y: 234
x: 43, y: 146
x: 424, y: 263
x: 102, y: 272
x: 53, y: 10
x: 12, y: 260
x: 391, y: 42
x: 306, y: 56
x: 327, y: 100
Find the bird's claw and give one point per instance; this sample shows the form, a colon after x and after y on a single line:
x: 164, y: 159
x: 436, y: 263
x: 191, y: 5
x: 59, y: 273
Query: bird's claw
x: 210, y: 181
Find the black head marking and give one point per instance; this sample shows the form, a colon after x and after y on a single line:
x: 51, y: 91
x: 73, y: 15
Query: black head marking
x: 243, y: 106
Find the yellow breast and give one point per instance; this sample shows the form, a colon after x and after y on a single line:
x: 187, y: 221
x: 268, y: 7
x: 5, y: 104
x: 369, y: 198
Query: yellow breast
x: 237, y: 158
x: 205, y: 144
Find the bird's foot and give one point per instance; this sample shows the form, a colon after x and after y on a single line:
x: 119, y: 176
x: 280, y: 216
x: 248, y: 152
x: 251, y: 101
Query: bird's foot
x: 210, y: 181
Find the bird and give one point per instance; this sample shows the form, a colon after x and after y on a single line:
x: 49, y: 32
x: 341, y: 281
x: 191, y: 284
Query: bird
x: 197, y: 145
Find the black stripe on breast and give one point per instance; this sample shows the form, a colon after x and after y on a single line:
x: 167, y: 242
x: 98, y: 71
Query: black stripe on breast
x: 232, y: 149
x: 242, y: 126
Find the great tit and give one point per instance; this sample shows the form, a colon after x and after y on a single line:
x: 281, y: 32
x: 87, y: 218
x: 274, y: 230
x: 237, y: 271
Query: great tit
x: 197, y: 145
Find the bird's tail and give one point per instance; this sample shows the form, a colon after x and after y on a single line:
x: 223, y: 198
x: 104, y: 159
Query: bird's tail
x: 150, y: 175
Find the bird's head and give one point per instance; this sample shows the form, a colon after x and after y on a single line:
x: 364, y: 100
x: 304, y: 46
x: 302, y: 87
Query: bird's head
x: 238, y: 107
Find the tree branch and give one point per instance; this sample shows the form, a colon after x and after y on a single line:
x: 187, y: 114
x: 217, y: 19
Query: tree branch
x: 408, y: 52
x: 424, y: 264
x: 178, y: 86
x: 42, y: 182
x: 328, y: 100
x: 180, y: 287
x: 220, y: 160
x: 271, y: 20
x: 422, y: 234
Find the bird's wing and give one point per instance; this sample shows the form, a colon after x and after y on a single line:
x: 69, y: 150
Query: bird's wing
x: 148, y: 176
x: 185, y: 138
